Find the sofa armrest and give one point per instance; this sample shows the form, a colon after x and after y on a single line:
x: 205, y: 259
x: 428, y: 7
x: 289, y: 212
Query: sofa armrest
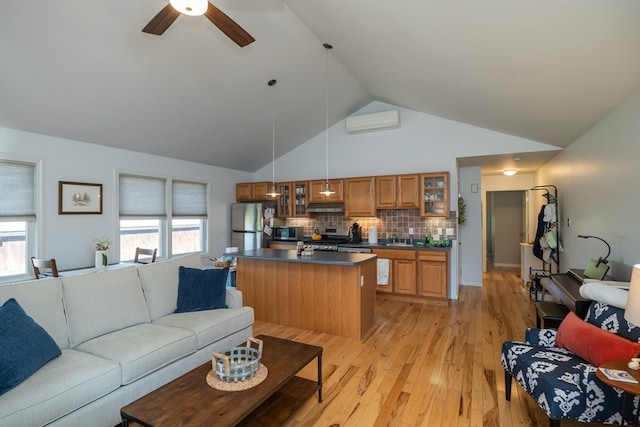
x: 233, y: 298
x: 542, y: 337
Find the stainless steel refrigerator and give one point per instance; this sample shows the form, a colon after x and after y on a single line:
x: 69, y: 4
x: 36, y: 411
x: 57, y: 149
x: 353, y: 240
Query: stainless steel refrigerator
x: 247, y: 224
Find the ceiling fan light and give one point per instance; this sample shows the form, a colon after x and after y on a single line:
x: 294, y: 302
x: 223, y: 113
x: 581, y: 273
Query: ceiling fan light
x: 509, y: 172
x: 190, y: 7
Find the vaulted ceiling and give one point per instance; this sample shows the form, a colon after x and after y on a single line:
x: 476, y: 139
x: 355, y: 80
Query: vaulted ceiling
x: 546, y: 70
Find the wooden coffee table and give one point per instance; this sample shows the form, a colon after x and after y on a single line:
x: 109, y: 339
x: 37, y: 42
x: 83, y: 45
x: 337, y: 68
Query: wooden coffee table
x: 189, y: 400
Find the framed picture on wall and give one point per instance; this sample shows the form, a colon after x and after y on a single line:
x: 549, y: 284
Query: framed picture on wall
x: 79, y: 198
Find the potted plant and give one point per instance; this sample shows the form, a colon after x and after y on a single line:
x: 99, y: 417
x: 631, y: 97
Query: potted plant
x: 102, y: 252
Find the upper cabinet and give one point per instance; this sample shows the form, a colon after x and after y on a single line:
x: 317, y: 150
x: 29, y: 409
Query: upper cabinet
x: 252, y: 191
x: 397, y: 192
x: 292, y: 201
x: 360, y: 197
x: 434, y: 192
x: 315, y: 187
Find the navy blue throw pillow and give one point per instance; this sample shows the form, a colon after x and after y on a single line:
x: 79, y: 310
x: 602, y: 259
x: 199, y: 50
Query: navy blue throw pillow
x: 201, y: 289
x: 25, y: 348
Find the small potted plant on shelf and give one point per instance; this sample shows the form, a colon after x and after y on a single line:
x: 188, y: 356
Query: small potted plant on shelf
x: 102, y: 252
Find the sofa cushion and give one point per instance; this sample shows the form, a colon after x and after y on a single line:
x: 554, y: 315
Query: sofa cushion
x: 612, y: 319
x: 42, y: 299
x: 160, y: 283
x: 142, y: 349
x: 210, y: 326
x: 63, y: 385
x: 201, y: 289
x: 25, y: 348
x: 99, y: 303
x: 593, y: 344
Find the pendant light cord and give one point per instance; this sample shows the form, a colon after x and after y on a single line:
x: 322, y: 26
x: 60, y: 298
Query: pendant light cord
x: 273, y: 138
x: 326, y: 108
x: 274, y: 192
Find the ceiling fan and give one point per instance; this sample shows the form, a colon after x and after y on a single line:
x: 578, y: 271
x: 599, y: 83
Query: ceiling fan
x: 170, y: 13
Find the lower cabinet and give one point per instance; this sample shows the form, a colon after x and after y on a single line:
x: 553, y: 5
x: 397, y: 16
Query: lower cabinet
x: 421, y: 273
x: 433, y: 274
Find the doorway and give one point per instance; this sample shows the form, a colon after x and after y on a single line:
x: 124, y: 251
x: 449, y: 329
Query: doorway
x: 506, y: 226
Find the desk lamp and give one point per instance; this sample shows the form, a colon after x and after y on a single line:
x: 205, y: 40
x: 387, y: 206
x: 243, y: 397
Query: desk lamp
x: 632, y: 311
x: 600, y: 260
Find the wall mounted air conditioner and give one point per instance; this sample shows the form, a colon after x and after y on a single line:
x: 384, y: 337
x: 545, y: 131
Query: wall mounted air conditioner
x: 373, y: 122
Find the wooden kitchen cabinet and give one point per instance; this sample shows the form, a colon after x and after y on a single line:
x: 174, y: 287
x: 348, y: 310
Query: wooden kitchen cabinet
x: 418, y: 273
x: 315, y: 187
x: 292, y: 201
x: 252, y: 191
x: 433, y: 267
x: 434, y: 194
x: 360, y: 197
x: 402, y: 270
x: 397, y: 191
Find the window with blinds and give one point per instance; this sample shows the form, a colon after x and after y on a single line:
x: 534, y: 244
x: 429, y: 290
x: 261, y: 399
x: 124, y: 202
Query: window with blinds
x: 17, y: 217
x: 170, y: 215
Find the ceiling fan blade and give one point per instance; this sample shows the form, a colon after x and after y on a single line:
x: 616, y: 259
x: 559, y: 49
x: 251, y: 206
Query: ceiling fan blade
x: 161, y: 21
x: 228, y: 26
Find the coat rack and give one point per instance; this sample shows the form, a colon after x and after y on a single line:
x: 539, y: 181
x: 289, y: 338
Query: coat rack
x: 546, y: 246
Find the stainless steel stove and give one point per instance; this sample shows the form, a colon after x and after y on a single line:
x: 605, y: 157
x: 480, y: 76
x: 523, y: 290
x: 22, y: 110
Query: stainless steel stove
x: 331, y: 238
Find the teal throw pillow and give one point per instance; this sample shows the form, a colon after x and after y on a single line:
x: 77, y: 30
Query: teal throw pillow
x: 24, y: 346
x: 201, y: 289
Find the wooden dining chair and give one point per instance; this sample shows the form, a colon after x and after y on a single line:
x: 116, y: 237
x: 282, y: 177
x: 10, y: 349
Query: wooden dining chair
x: 147, y: 252
x: 44, y: 267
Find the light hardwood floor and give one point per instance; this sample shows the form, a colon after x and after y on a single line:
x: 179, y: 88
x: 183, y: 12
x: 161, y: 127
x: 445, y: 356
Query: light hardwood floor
x: 425, y: 364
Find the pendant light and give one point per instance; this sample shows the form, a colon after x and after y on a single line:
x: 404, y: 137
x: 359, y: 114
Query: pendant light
x: 327, y: 189
x: 274, y: 192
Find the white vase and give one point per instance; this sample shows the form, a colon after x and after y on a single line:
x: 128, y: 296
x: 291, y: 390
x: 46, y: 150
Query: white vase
x: 102, y: 259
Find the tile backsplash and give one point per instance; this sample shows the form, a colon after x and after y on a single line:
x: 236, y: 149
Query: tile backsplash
x: 391, y: 223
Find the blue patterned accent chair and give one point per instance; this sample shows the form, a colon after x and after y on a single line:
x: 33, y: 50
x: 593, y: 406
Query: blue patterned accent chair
x: 564, y: 385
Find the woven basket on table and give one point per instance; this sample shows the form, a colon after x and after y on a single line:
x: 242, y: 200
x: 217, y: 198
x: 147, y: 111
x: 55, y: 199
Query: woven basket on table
x: 238, y: 363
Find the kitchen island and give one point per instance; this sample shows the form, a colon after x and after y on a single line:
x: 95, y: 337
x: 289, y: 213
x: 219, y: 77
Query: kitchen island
x: 326, y: 292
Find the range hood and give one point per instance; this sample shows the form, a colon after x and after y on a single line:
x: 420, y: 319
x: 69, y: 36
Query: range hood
x: 325, y: 208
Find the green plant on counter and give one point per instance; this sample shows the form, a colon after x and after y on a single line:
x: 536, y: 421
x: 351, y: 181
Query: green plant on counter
x: 462, y: 211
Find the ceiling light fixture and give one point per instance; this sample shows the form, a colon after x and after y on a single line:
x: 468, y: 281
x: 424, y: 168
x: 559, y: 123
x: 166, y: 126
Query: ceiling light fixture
x: 190, y: 7
x: 274, y: 192
x: 509, y: 172
x: 327, y: 189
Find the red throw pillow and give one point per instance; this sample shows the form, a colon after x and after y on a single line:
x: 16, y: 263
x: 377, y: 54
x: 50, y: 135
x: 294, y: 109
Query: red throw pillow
x: 593, y: 344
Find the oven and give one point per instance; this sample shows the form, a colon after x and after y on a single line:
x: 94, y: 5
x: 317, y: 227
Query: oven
x: 331, y: 238
x: 352, y: 250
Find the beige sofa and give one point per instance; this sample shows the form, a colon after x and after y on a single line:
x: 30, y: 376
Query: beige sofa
x: 120, y: 339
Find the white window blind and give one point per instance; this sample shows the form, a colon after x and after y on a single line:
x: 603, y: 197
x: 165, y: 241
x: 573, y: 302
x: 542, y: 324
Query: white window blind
x: 17, y: 191
x: 189, y: 199
x: 142, y: 197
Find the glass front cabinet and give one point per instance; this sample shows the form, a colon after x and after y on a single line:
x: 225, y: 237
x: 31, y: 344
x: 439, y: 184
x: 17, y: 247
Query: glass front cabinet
x: 434, y: 194
x: 292, y: 201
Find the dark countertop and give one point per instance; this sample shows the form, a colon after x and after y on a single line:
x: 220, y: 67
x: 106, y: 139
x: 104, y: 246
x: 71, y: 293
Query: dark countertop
x: 379, y: 245
x: 318, y: 257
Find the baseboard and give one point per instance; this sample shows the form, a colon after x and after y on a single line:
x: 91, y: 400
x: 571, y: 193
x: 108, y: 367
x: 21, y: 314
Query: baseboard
x: 496, y: 264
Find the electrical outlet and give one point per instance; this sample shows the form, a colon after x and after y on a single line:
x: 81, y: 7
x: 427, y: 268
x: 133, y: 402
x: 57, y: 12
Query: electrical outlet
x: 568, y: 222
x: 411, y: 230
x: 449, y: 231
x: 439, y: 230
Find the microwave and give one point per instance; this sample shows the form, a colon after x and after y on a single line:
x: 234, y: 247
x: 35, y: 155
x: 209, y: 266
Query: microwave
x: 288, y: 233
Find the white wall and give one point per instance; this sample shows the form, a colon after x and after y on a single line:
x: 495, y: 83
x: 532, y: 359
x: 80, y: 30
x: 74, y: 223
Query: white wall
x: 597, y: 178
x: 470, y: 234
x: 69, y: 238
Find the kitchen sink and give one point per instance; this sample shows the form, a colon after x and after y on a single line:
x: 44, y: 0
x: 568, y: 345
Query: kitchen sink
x: 399, y: 244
